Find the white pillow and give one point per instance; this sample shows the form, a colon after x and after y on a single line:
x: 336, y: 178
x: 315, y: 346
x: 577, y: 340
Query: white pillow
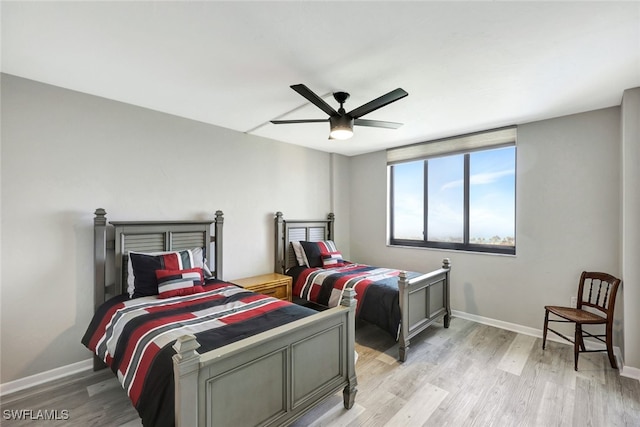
x: 301, y: 257
x: 198, y: 254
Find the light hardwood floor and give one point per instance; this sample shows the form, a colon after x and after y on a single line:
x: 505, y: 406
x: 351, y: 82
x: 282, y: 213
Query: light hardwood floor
x: 467, y: 375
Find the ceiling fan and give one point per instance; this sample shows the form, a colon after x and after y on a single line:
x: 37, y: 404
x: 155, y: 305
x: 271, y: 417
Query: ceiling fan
x: 341, y: 122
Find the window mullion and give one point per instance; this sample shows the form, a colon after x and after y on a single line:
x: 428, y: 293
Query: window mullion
x: 425, y: 190
x: 467, y: 184
x: 392, y: 205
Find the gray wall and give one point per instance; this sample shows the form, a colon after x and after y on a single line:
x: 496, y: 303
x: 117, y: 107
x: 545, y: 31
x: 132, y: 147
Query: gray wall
x: 568, y: 220
x: 66, y: 153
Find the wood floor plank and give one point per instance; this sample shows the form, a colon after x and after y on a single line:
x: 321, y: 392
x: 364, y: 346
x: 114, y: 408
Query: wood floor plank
x: 338, y: 416
x: 517, y: 354
x: 420, y: 406
x: 102, y: 386
x: 379, y: 408
x: 556, y: 408
x: 330, y: 413
x: 132, y: 423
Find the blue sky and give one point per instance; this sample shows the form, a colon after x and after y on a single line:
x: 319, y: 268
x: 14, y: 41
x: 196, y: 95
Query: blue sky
x: 491, y: 199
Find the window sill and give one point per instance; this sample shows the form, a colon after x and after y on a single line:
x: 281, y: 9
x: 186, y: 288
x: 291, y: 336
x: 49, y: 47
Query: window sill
x: 450, y: 250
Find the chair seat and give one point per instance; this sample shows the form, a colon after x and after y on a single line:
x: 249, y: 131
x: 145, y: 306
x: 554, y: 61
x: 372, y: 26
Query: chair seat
x: 575, y: 314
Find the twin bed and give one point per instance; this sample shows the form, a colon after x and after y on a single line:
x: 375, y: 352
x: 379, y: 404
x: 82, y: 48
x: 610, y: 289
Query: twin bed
x: 399, y: 302
x: 193, y: 350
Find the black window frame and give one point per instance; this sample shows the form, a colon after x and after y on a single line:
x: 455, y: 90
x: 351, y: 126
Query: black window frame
x: 465, y: 245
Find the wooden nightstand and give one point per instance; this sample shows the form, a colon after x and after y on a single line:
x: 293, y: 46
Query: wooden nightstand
x: 272, y: 284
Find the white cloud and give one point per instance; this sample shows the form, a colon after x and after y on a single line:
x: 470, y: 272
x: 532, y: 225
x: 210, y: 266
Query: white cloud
x: 479, y: 179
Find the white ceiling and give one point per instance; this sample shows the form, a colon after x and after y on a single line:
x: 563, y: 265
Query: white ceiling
x: 467, y: 66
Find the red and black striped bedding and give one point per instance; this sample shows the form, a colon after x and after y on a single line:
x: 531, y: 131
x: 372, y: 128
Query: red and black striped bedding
x: 134, y: 337
x: 376, y: 290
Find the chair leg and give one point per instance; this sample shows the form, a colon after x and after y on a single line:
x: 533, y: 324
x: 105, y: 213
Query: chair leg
x: 576, y: 345
x: 582, y: 347
x: 544, y: 330
x: 609, y: 339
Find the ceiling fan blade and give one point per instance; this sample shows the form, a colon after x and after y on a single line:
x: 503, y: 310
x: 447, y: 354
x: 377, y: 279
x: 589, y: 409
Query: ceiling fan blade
x: 314, y: 99
x: 282, y: 122
x: 380, y: 102
x: 377, y: 124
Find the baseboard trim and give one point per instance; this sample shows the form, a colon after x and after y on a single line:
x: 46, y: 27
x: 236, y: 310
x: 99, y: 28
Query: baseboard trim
x: 45, y: 377
x: 503, y: 325
x: 629, y: 372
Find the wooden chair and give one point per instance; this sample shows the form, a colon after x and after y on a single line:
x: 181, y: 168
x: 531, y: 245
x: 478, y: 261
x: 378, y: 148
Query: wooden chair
x: 595, y: 303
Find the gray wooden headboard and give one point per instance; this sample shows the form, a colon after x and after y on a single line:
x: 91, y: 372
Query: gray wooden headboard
x: 115, y: 239
x: 287, y: 231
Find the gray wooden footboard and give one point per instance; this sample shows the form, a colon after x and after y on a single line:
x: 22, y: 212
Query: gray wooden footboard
x: 271, y: 378
x: 423, y: 300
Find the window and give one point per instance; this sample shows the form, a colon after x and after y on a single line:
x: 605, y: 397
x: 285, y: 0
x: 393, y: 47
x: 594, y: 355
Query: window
x: 461, y: 200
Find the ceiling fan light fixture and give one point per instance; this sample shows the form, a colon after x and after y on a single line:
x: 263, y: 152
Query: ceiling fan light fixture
x: 341, y: 123
x: 341, y: 127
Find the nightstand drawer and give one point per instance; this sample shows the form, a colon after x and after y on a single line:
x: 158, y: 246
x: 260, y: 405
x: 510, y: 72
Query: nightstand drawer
x: 272, y: 284
x: 273, y: 290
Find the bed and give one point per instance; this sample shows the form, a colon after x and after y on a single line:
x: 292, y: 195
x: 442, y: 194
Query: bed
x: 402, y: 303
x: 225, y: 344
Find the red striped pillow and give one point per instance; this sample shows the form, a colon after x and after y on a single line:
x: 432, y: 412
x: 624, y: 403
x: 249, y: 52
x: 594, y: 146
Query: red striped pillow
x: 332, y: 259
x: 174, y: 283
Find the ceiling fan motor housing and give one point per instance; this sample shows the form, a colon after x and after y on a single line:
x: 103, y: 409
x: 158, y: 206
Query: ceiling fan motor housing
x: 341, y: 122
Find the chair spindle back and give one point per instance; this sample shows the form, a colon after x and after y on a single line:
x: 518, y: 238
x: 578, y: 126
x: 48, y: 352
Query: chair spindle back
x: 598, y: 291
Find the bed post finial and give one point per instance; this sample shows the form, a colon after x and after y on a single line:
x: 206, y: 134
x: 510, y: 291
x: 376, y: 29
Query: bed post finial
x: 100, y: 217
x: 348, y: 298
x: 446, y: 263
x: 185, y: 347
